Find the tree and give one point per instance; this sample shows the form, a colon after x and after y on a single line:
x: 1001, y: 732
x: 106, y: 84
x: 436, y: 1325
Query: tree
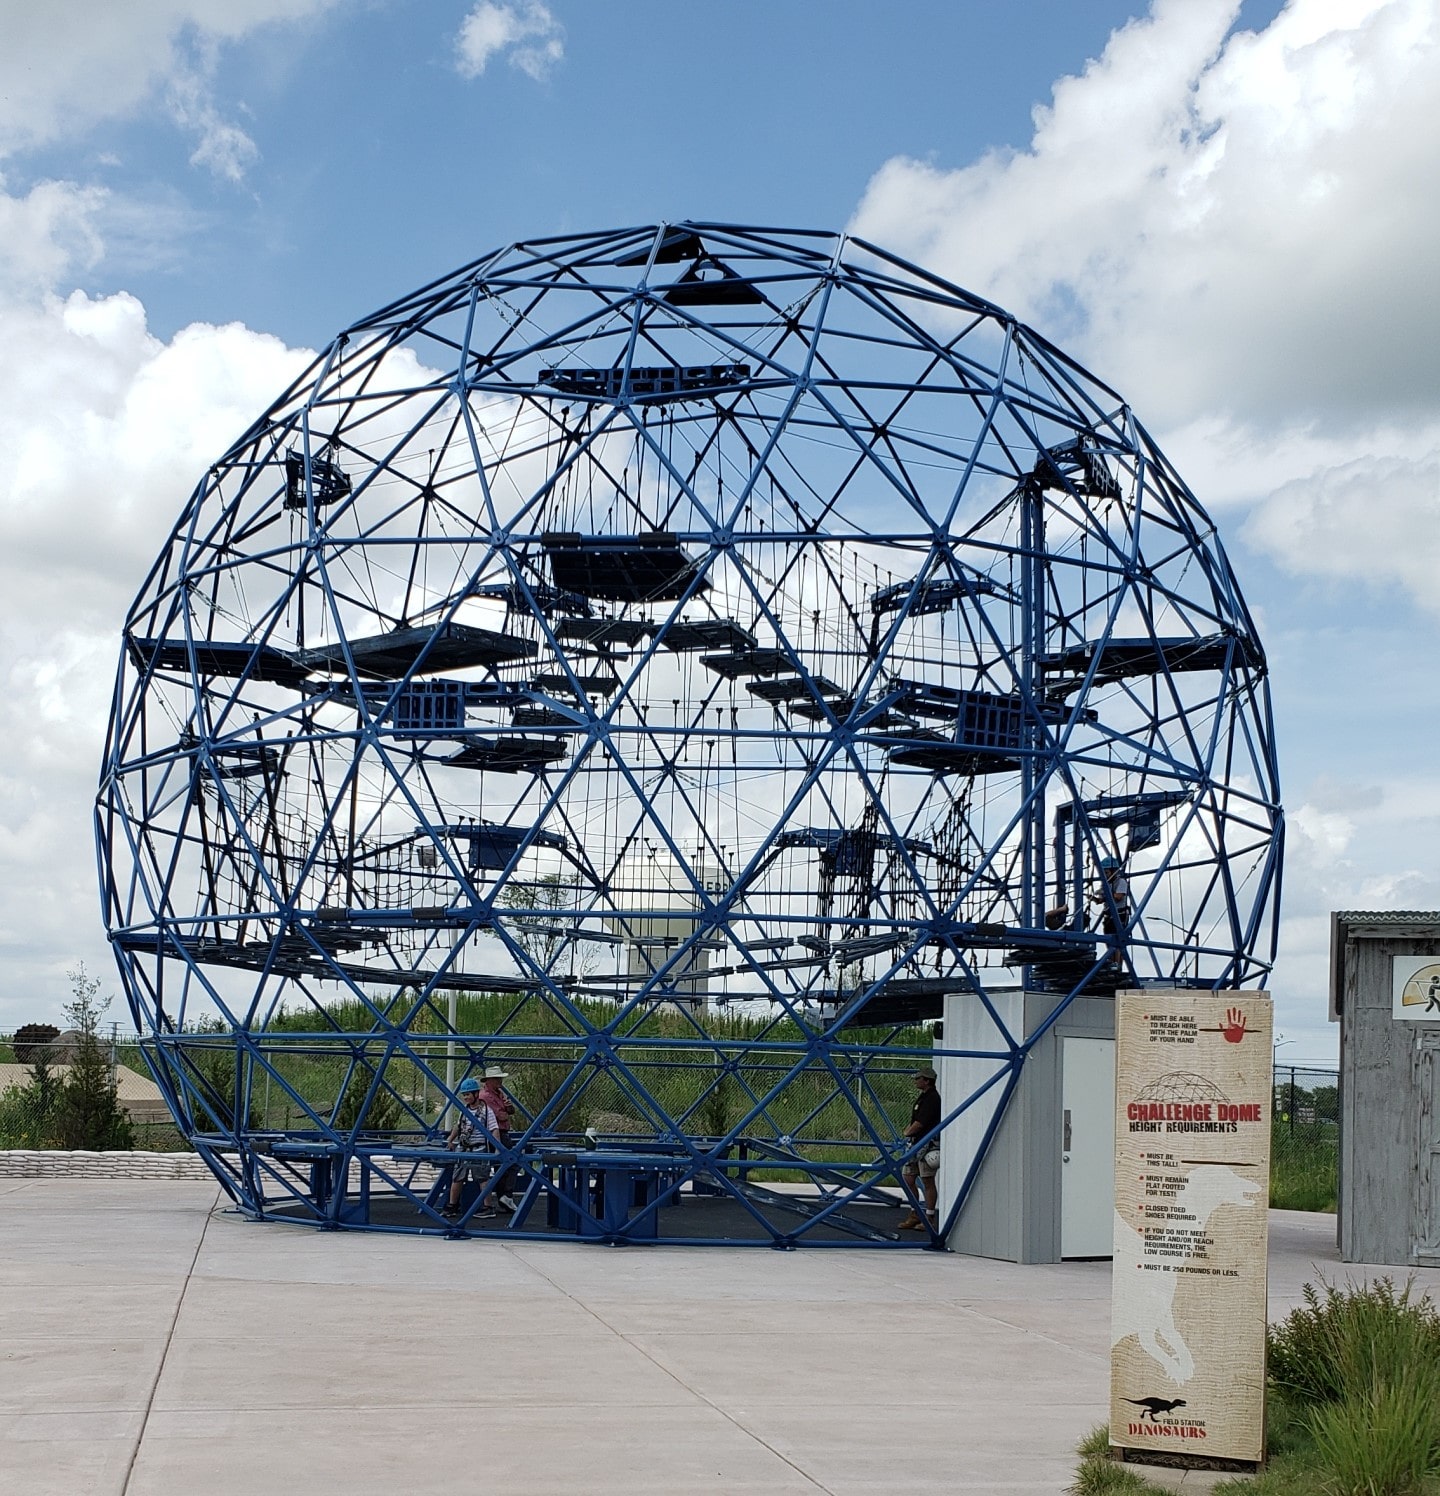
x: 88, y: 1113
x: 548, y: 930
x: 384, y: 1112
x: 41, y: 1095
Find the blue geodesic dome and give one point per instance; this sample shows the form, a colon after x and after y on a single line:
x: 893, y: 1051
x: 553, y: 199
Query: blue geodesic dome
x: 667, y: 664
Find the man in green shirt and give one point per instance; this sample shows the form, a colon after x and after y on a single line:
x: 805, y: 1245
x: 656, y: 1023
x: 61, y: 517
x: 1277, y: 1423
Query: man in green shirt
x: 924, y: 1118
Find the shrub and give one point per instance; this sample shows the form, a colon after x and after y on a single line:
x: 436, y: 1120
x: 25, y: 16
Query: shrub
x: 382, y: 1115
x: 1383, y: 1439
x: 1343, y: 1341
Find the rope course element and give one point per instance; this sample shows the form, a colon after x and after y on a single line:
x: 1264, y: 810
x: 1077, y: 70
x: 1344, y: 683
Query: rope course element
x: 676, y: 665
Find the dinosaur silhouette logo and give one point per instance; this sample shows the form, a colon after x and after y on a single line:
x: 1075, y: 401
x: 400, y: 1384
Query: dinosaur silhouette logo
x: 1154, y: 1405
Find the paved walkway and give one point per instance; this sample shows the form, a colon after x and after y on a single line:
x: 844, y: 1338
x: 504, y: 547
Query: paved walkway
x: 152, y: 1345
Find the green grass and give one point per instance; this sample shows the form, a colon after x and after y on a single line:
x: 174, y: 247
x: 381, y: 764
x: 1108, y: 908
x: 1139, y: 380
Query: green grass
x: 707, y: 1090
x: 1304, y: 1165
x: 1353, y: 1406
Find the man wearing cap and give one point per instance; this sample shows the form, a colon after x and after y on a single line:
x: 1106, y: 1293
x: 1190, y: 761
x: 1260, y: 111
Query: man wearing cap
x: 476, y: 1118
x: 493, y: 1095
x: 1113, y: 898
x: 1113, y: 901
x: 924, y: 1118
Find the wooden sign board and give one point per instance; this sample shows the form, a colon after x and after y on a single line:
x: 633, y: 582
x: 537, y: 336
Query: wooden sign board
x: 1192, y: 1180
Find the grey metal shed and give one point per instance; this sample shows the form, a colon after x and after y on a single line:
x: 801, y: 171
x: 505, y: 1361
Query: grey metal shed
x: 1387, y: 1002
x: 1045, y: 1189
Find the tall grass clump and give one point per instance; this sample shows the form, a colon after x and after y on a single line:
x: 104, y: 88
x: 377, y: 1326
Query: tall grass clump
x: 1099, y: 1475
x: 1359, y: 1368
x: 1384, y: 1439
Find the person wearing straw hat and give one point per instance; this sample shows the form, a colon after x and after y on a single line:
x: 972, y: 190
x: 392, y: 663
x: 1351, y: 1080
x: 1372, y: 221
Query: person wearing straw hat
x: 924, y: 1118
x: 492, y: 1093
x: 476, y: 1119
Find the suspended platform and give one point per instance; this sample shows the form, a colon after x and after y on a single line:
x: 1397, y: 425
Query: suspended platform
x: 653, y: 567
x: 229, y: 661
x: 1125, y: 659
x: 452, y: 646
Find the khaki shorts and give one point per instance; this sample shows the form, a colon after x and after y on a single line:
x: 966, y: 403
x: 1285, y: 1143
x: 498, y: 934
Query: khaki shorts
x: 926, y: 1166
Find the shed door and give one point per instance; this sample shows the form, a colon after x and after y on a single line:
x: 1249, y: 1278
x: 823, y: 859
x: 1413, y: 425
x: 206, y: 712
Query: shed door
x: 1087, y: 1178
x: 1425, y: 1228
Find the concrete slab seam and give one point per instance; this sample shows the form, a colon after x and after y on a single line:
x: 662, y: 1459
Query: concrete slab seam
x: 165, y: 1350
x: 680, y: 1381
x: 1033, y: 1334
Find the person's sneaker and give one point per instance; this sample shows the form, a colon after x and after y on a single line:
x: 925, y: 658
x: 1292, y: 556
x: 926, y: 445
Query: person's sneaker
x: 488, y: 1213
x: 451, y: 1212
x: 506, y: 1203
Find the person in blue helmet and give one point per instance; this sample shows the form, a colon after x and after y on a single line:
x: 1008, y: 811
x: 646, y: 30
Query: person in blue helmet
x: 1113, y: 901
x: 473, y: 1129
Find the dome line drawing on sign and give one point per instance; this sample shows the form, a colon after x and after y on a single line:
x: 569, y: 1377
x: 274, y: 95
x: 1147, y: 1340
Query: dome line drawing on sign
x: 671, y: 665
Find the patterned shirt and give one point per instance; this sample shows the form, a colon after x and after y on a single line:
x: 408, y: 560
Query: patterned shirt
x: 473, y: 1117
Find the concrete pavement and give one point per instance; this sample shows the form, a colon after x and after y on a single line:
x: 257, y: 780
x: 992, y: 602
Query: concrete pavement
x: 155, y: 1345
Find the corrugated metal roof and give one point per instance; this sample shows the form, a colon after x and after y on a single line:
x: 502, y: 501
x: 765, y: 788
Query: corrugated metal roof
x: 1343, y: 921
x: 1388, y: 916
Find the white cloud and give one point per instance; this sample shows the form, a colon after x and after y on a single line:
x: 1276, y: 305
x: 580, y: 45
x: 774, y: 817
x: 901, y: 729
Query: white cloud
x: 47, y: 233
x: 1237, y: 231
x: 1348, y: 846
x: 104, y: 429
x: 1377, y: 518
x: 65, y: 67
x: 1240, y: 224
x: 223, y: 148
x: 533, y: 39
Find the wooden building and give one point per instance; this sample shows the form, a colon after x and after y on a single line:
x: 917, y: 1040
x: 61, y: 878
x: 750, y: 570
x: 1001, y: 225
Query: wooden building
x: 1385, y: 994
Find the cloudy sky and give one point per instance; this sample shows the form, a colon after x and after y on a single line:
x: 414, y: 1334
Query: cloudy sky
x: 1228, y: 210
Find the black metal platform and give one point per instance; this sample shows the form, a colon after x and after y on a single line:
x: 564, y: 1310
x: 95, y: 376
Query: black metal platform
x: 451, y: 646
x: 216, y: 657
x: 653, y: 567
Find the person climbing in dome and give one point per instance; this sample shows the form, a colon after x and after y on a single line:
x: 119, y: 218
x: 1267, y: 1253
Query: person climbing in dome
x: 493, y: 1095
x: 1113, y: 902
x: 474, y: 1127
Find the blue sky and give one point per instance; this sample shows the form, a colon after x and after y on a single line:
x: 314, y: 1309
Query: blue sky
x: 378, y: 165
x: 1227, y: 210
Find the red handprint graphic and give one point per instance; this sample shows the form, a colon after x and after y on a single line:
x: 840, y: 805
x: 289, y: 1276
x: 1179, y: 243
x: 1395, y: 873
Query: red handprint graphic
x: 1233, y: 1028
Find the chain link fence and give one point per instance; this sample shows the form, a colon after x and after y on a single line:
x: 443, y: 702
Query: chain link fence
x: 305, y: 1085
x: 34, y: 1074
x: 1305, y: 1138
